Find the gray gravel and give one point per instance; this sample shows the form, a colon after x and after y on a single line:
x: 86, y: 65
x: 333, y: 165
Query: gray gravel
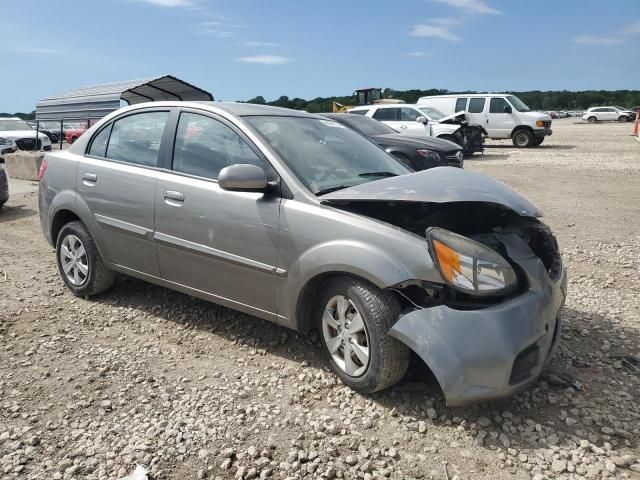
x: 143, y: 375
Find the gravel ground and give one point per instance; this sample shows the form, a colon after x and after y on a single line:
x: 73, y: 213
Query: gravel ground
x: 143, y: 375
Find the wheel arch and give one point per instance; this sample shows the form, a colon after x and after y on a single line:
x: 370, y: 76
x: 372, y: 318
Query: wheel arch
x: 521, y: 127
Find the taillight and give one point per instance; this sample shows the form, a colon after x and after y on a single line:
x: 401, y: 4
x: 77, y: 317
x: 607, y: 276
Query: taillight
x: 42, y: 169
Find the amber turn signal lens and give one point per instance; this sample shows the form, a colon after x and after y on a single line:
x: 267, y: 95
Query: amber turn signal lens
x: 448, y: 259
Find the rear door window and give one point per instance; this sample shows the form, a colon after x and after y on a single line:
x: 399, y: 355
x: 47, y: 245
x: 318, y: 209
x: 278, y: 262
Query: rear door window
x: 461, y: 105
x: 136, y: 138
x: 387, y: 114
x: 476, y: 105
x: 409, y: 114
x: 99, y: 143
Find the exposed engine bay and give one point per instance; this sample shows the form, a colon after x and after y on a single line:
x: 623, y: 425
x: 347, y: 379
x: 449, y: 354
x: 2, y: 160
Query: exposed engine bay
x: 469, y: 136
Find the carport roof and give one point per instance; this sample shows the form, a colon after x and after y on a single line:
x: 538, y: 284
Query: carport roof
x: 99, y: 100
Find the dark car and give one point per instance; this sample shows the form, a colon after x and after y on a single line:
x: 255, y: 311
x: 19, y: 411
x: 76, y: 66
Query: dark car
x: 4, y: 185
x: 418, y: 153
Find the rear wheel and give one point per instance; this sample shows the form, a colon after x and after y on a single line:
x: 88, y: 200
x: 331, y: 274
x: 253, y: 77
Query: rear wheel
x: 523, y: 138
x: 622, y: 119
x: 79, y: 261
x: 592, y: 119
x: 355, y: 317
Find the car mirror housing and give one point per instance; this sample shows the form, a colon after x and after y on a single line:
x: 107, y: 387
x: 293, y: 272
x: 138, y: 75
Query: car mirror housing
x: 243, y: 177
x: 421, y: 120
x: 508, y: 109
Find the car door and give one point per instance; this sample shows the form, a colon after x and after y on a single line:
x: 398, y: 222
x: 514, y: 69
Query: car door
x: 116, y: 180
x: 476, y: 111
x: 500, y: 123
x: 212, y: 240
x: 610, y: 114
x: 390, y: 116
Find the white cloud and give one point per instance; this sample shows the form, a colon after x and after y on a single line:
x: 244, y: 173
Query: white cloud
x: 471, y: 6
x: 417, y: 54
x: 435, y: 31
x: 261, y: 44
x: 445, y: 22
x: 633, y: 29
x: 216, y: 32
x: 265, y: 59
x: 40, y: 51
x: 597, y: 40
x: 169, y: 3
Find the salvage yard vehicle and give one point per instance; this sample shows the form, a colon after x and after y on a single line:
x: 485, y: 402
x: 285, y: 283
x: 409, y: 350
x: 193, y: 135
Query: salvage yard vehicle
x: 613, y: 114
x: 4, y: 184
x: 417, y: 120
x: 19, y: 132
x: 418, y: 153
x: 296, y: 219
x: 503, y: 115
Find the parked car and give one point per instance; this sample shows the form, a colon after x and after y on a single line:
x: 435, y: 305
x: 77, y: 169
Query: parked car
x: 418, y: 120
x: 73, y: 132
x: 296, y: 219
x: 53, y: 136
x: 7, y: 145
x: 502, y: 115
x: 4, y: 184
x: 55, y: 129
x: 17, y: 130
x: 613, y: 114
x: 636, y: 109
x: 418, y: 153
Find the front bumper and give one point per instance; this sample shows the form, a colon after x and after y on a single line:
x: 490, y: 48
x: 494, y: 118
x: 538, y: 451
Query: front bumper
x: 494, y: 352
x: 543, y: 132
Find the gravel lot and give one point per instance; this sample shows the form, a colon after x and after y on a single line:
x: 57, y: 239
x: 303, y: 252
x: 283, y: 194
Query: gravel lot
x: 143, y: 375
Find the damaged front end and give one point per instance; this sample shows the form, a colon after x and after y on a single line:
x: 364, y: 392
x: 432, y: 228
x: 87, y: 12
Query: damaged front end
x: 490, y: 327
x: 469, y: 136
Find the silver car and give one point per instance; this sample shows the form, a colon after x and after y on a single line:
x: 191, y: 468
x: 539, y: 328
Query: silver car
x: 296, y: 219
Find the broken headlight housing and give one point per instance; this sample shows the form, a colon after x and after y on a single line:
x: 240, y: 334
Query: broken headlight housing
x: 469, y: 266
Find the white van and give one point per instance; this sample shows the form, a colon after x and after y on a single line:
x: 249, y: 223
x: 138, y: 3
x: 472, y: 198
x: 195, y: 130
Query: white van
x: 502, y: 115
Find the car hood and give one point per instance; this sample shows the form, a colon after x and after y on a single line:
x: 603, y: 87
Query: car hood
x: 429, y: 143
x: 454, y: 118
x: 536, y: 115
x: 438, y: 185
x: 17, y: 134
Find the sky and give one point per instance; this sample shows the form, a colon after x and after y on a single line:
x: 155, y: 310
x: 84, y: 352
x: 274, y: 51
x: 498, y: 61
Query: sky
x: 238, y: 49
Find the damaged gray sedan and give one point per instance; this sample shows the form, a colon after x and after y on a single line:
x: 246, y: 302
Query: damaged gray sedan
x: 296, y: 219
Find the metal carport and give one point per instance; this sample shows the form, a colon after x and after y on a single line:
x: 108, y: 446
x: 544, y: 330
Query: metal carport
x: 92, y: 103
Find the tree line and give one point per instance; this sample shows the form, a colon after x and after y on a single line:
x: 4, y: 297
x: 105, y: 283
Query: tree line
x: 536, y: 100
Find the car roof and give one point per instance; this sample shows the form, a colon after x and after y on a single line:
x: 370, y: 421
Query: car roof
x: 469, y: 95
x: 385, y: 105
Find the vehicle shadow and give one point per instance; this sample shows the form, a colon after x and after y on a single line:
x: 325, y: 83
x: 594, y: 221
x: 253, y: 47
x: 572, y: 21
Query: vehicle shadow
x: 10, y: 213
x: 540, y: 147
x: 535, y: 418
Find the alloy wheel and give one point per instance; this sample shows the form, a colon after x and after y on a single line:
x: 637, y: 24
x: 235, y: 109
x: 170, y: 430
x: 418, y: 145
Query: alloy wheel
x: 74, y: 260
x: 345, y: 335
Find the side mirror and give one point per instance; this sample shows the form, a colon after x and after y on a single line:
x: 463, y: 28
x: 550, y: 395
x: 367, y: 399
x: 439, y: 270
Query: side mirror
x: 421, y: 120
x: 508, y: 109
x: 243, y: 177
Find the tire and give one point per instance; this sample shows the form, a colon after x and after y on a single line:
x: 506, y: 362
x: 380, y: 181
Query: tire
x: 73, y: 139
x: 592, y: 119
x: 622, y: 119
x: 523, y: 138
x: 87, y: 275
x: 538, y: 141
x: 387, y: 360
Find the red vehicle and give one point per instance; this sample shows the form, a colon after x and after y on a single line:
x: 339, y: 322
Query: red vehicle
x: 73, y: 132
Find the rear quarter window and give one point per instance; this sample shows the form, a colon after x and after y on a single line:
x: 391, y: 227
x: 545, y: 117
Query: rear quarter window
x: 461, y: 104
x: 476, y: 105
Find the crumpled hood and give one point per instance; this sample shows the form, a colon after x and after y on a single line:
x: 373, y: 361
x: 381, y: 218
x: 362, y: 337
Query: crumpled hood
x: 430, y: 143
x: 438, y: 185
x: 18, y: 134
x: 454, y: 117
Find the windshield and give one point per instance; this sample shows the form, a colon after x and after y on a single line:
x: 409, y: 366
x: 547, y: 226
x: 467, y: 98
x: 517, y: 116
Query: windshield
x: 9, y: 125
x: 324, y: 154
x: 621, y: 108
x: 365, y: 125
x: 432, y: 113
x: 518, y: 104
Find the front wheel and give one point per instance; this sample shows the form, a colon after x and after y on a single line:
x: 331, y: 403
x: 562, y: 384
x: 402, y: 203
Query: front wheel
x: 523, y: 139
x: 355, y: 317
x: 622, y: 119
x: 592, y: 119
x: 79, y: 261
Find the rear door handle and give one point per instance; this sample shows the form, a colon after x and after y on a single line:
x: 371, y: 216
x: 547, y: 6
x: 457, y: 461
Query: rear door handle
x: 89, y: 178
x: 174, y: 196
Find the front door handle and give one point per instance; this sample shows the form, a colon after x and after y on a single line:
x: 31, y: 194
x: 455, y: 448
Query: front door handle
x: 172, y: 195
x: 403, y: 126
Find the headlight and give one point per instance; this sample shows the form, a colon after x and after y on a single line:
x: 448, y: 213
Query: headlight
x: 429, y: 155
x: 469, y: 266
x: 539, y: 123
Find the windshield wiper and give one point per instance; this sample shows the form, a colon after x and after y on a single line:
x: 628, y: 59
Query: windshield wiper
x: 378, y: 174
x: 331, y: 189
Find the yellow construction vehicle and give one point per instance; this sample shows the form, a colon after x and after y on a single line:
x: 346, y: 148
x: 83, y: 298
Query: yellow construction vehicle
x: 365, y: 96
